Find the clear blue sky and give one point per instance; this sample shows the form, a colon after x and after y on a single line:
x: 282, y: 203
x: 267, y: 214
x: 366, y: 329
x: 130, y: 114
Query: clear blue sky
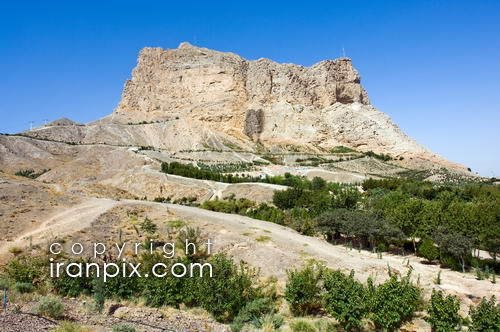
x: 433, y: 66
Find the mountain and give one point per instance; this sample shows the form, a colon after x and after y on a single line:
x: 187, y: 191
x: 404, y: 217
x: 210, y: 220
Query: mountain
x: 193, y: 98
x: 238, y: 121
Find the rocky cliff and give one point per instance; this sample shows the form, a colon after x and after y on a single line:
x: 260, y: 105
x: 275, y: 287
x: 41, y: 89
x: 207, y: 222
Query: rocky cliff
x: 207, y: 92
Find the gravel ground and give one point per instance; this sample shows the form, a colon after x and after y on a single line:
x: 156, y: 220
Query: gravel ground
x: 15, y: 322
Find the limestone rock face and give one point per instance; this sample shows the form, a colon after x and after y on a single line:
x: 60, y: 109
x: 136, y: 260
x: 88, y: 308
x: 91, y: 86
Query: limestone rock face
x: 219, y: 87
x: 208, y: 93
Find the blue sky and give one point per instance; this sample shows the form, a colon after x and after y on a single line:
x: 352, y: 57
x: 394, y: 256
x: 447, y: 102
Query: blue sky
x: 433, y: 66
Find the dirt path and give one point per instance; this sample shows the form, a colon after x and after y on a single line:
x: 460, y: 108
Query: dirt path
x: 66, y: 222
x: 270, y: 247
x: 283, y: 248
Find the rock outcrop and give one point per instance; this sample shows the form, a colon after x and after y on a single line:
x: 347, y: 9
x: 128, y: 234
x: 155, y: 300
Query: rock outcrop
x: 216, y: 93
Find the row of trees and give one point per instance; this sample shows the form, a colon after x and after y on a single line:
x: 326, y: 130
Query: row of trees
x: 452, y: 221
x: 315, y: 288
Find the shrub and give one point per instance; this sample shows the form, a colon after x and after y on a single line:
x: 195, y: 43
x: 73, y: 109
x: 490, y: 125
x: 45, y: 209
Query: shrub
x: 4, y: 284
x: 148, y: 226
x: 24, y: 287
x: 303, y: 289
x: 161, y: 291
x: 15, y: 251
x: 287, y: 199
x: 428, y: 250
x: 271, y: 322
x: 393, y: 302
x: 123, y: 328
x: 266, y: 212
x: 70, y: 327
x: 443, y: 312
x: 30, y: 173
x: 230, y: 289
x: 252, y: 313
x: 455, y: 244
x: 485, y: 316
x: 68, y: 286
x: 237, y: 206
x: 302, y: 325
x: 50, y: 306
x: 345, y: 299
x: 341, y: 149
x: 99, y: 298
x: 26, y: 269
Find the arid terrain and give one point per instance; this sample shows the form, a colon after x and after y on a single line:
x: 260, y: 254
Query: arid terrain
x: 198, y: 106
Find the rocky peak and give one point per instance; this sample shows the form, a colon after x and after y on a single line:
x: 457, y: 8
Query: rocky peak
x: 211, y: 93
x: 167, y: 82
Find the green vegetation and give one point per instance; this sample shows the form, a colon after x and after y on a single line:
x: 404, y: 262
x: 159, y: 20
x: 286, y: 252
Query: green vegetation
x: 393, y: 302
x: 24, y: 287
x: 123, y: 328
x: 443, y: 312
x: 256, y: 313
x: 50, y: 306
x: 314, y: 288
x: 383, y: 157
x: 342, y: 149
x: 428, y: 250
x: 227, y: 167
x: 452, y: 218
x: 148, y: 226
x: 220, y: 173
x: 485, y: 316
x: 30, y: 173
x: 345, y: 299
x: 391, y: 214
x: 303, y: 289
x: 302, y: 325
x: 67, y: 326
x: 232, y: 287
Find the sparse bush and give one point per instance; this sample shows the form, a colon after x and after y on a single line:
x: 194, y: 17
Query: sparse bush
x: 303, y: 289
x: 252, y: 313
x: 30, y: 173
x: 148, y: 226
x: 99, y: 298
x: 26, y: 269
x: 271, y: 322
x: 24, y: 287
x: 443, y: 312
x: 50, y: 306
x: 15, y: 251
x: 302, y: 325
x: 123, y: 328
x: 438, y: 278
x: 4, y: 284
x: 485, y: 316
x: 67, y: 326
x: 383, y: 157
x: 341, y: 149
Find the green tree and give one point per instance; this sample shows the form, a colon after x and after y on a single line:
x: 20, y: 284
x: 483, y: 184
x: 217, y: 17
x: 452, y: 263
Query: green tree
x: 318, y: 183
x: 303, y: 289
x: 428, y: 250
x: 454, y: 244
x: 345, y: 299
x: 393, y: 302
